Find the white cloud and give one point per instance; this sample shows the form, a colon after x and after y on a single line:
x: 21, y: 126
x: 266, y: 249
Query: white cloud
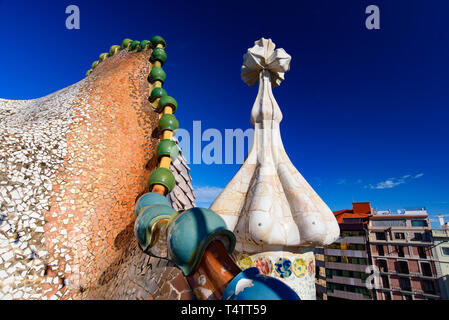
x: 394, y: 182
x: 341, y: 181
x: 388, y: 184
x: 205, y: 195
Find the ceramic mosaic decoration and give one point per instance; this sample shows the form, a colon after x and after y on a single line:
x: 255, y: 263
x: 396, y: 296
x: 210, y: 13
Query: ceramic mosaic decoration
x: 96, y: 197
x: 196, y: 240
x: 271, y: 208
x: 72, y: 165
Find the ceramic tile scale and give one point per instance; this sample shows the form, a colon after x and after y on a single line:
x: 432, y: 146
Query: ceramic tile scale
x: 275, y: 214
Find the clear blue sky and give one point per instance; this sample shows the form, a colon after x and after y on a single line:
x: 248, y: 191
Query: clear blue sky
x: 365, y: 112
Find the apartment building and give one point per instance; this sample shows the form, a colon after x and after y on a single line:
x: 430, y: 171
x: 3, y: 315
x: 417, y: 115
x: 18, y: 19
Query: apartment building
x: 441, y: 253
x: 401, y: 246
x: 320, y: 274
x: 347, y: 259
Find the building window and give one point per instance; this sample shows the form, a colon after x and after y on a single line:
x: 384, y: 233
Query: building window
x: 422, y: 237
x: 388, y: 223
x: 380, y: 250
x: 428, y: 286
x: 418, y: 237
x: 352, y: 220
x: 400, y: 251
x: 353, y: 234
x: 382, y: 265
x: 422, y: 252
x: 356, y: 247
x: 385, y: 282
x: 408, y: 297
x: 419, y: 223
x: 402, y: 267
x: 347, y: 288
x: 380, y: 236
x: 405, y: 284
x: 337, y: 273
x: 445, y: 251
x: 426, y: 269
x: 399, y: 235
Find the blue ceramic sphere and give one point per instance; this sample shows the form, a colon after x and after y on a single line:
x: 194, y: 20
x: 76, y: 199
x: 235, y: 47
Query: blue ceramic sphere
x: 149, y: 199
x: 250, y: 284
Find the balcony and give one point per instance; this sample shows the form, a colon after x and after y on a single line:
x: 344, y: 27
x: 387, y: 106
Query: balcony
x: 404, y: 289
x: 347, y: 295
x: 429, y: 295
x: 411, y: 274
x: 373, y: 240
x: 440, y: 233
x: 354, y: 240
x: 346, y: 253
x: 423, y: 242
x: 346, y: 280
x: 346, y: 266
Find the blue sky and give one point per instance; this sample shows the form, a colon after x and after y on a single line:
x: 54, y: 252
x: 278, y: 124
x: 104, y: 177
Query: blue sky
x: 365, y: 111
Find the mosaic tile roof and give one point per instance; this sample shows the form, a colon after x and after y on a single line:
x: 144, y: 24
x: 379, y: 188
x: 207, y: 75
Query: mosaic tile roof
x: 72, y: 165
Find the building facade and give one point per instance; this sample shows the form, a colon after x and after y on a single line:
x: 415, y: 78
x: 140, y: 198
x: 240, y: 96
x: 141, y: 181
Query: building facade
x: 441, y: 252
x: 320, y: 274
x: 347, y: 259
x: 407, y: 260
x: 401, y: 246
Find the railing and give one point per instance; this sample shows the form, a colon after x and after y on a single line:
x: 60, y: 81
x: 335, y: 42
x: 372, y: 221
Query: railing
x: 407, y: 289
x: 347, y: 253
x: 393, y: 255
x: 440, y: 233
x: 346, y: 266
x: 410, y: 274
x: 432, y: 294
x: 354, y: 240
x: 346, y: 280
x: 347, y: 295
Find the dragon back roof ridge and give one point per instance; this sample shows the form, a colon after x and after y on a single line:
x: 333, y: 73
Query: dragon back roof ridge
x: 72, y: 165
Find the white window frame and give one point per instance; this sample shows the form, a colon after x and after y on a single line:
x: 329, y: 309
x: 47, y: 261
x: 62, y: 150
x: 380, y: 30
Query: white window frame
x: 442, y: 252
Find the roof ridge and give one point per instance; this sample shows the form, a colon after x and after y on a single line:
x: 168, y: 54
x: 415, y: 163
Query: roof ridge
x: 127, y: 44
